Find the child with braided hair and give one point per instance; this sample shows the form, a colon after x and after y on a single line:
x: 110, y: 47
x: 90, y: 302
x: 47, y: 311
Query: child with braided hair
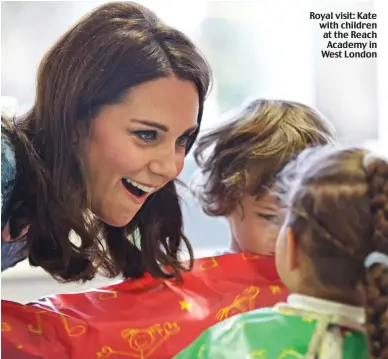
x: 332, y: 253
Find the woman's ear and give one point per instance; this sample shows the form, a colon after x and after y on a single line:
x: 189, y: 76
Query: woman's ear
x: 292, y: 259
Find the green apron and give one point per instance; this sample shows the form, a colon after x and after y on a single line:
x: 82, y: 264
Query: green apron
x: 278, y: 333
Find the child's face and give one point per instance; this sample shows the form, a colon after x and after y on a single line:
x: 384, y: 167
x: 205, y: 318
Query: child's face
x: 255, y: 225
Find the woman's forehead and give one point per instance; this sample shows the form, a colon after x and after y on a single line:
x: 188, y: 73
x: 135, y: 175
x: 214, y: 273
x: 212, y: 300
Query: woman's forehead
x: 168, y: 101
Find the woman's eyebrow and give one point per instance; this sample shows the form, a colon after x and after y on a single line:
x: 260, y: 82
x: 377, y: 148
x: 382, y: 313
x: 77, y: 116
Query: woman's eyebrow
x: 157, y: 125
x: 161, y: 127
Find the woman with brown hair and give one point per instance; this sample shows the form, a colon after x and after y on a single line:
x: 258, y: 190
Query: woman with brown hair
x: 119, y: 104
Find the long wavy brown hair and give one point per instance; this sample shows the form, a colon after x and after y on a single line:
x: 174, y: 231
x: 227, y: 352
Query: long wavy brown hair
x: 110, y: 50
x: 338, y: 210
x: 250, y: 149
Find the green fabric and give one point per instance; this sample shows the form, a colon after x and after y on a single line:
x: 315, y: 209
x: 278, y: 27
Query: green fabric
x: 265, y: 334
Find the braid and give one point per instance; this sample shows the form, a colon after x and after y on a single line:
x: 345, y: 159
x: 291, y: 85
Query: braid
x: 375, y: 284
x: 338, y: 210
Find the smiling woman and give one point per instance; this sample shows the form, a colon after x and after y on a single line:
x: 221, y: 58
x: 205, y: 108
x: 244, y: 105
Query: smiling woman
x: 119, y: 104
x: 138, y: 146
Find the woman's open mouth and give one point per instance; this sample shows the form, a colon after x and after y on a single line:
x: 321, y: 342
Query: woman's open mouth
x: 137, y: 189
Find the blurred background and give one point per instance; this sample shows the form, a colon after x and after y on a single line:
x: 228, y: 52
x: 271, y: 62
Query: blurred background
x: 263, y: 48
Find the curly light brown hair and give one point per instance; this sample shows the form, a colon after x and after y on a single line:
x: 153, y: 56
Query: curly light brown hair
x: 251, y: 149
x: 337, y: 203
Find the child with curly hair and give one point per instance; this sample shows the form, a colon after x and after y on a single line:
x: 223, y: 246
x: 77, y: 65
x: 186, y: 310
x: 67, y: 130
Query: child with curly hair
x: 248, y: 153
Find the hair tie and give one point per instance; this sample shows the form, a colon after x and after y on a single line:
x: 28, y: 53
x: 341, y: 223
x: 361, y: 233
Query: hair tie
x: 376, y: 258
x: 369, y: 158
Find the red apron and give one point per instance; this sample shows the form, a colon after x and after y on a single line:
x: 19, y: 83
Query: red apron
x: 146, y: 318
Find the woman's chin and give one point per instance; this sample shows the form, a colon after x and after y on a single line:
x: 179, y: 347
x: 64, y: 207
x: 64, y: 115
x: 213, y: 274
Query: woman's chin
x: 116, y: 221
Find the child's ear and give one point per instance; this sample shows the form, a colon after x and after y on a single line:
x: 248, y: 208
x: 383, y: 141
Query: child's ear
x: 292, y: 260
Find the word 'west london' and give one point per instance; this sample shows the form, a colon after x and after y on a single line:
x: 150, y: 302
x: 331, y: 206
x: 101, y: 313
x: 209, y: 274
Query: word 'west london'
x: 348, y: 34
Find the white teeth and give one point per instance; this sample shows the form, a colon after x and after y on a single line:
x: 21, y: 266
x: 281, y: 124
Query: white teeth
x: 141, y: 186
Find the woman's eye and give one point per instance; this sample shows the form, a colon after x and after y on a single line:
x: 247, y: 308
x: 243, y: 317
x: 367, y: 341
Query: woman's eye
x: 269, y: 217
x: 183, y: 140
x: 146, y: 136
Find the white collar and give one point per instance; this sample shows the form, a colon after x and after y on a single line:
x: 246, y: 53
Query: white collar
x: 327, y: 307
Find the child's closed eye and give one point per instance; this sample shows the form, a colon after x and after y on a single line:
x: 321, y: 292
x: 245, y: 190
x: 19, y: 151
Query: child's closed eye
x: 268, y: 217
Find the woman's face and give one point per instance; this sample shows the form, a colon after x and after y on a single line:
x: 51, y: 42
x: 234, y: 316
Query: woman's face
x: 138, y: 145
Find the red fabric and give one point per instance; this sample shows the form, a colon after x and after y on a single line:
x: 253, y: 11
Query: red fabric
x: 145, y: 318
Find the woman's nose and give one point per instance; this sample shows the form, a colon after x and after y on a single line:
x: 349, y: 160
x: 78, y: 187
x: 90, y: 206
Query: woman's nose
x: 166, y: 164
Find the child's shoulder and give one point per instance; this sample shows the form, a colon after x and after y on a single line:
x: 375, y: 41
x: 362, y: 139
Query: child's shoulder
x: 264, y: 332
x: 268, y: 320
